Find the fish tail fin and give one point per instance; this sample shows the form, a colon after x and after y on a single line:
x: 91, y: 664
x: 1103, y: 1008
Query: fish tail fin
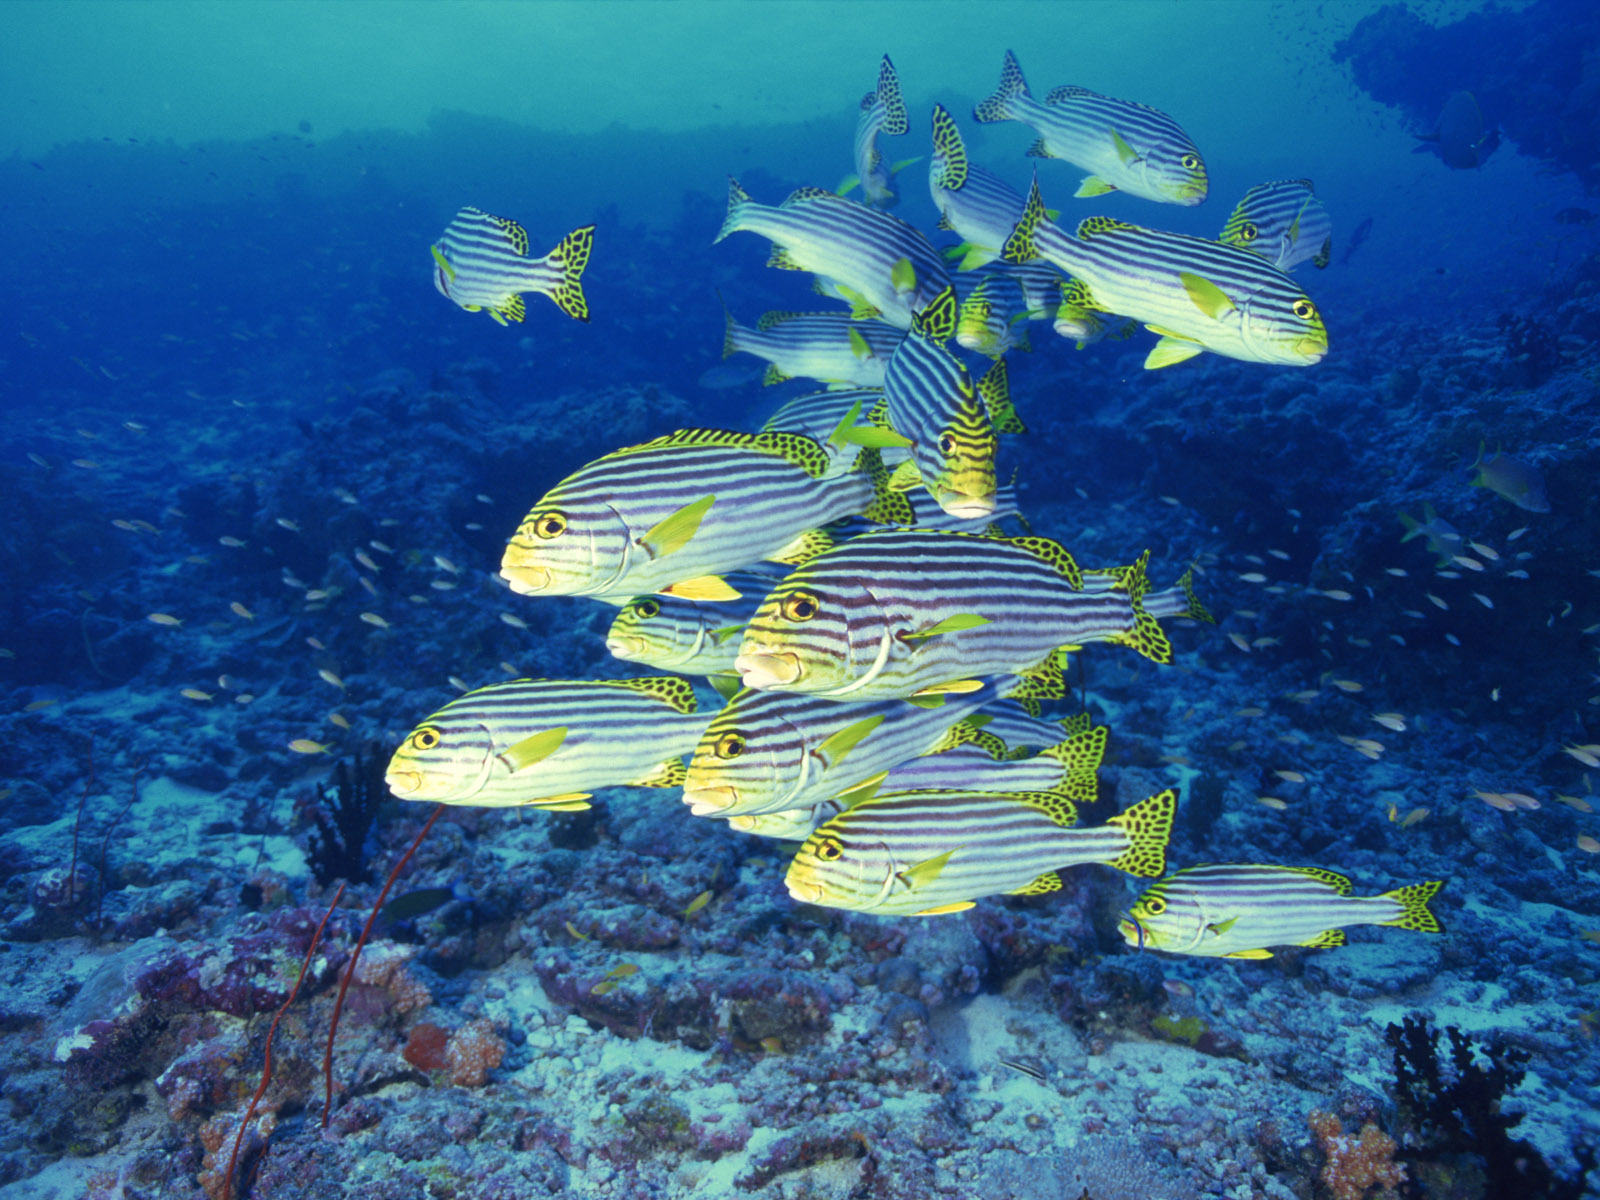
x: 1080, y: 755
x: 1148, y: 825
x: 1013, y: 86
x: 570, y: 258
x: 1196, y: 610
x: 737, y: 199
x: 1019, y: 246
x: 890, y: 505
x: 731, y: 329
x: 895, y: 121
x: 1414, y: 911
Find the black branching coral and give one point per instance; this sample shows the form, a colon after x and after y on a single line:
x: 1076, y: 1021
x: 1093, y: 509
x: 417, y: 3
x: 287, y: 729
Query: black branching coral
x: 1453, y: 1108
x: 342, y: 820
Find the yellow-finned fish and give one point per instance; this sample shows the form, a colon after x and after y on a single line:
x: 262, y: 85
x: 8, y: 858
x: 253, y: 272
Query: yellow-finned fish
x: 883, y: 110
x: 1238, y: 910
x: 924, y: 853
x: 1284, y: 223
x: 1127, y: 147
x: 549, y: 743
x: 1198, y: 295
x: 481, y: 262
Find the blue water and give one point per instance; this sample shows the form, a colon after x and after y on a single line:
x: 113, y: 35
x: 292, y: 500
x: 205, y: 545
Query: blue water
x: 225, y: 371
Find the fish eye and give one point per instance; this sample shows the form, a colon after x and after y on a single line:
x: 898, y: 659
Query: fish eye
x: 798, y: 607
x: 947, y: 444
x: 1191, y: 162
x: 829, y: 850
x: 646, y: 609
x: 1248, y: 231
x: 1154, y: 906
x: 729, y: 745
x: 1305, y: 310
x: 425, y: 738
x: 550, y: 525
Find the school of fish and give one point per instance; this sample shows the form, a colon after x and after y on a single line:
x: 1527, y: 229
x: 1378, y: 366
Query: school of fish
x: 844, y: 579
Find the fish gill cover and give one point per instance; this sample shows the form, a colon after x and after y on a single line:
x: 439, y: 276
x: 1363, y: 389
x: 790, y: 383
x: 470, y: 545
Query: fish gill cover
x: 1067, y: 774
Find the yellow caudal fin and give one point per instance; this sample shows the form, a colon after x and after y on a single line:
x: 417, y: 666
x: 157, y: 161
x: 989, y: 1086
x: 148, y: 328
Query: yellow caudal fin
x: 1414, y: 911
x: 572, y: 256
x: 1013, y: 86
x: 1019, y: 245
x: 1196, y: 610
x: 1148, y: 825
x: 1080, y: 755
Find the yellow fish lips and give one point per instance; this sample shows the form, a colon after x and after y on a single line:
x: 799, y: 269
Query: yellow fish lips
x: 803, y: 884
x: 767, y: 669
x: 709, y: 801
x: 403, y: 782
x: 1310, y: 348
x: 967, y: 505
x: 628, y: 647
x: 525, y: 577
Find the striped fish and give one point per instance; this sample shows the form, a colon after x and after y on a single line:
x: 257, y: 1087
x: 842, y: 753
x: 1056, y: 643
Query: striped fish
x: 691, y: 637
x: 1199, y: 295
x: 769, y: 751
x: 1284, y: 223
x: 548, y: 743
x: 994, y: 317
x: 1041, y: 286
x: 883, y: 110
x: 930, y: 399
x: 885, y: 267
x: 1067, y: 769
x: 672, y: 514
x: 1179, y: 600
x: 1237, y: 910
x: 818, y: 415
x: 1125, y: 146
x: 906, y: 612
x: 482, y: 264
x: 973, y: 203
x: 1006, y: 730
x: 828, y: 347
x: 934, y: 851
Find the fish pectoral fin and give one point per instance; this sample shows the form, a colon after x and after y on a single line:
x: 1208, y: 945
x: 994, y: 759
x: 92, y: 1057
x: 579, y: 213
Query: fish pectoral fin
x: 954, y: 906
x: 444, y: 263
x: 858, y: 345
x: 903, y: 275
x: 534, y: 749
x: 928, y: 870
x: 905, y: 477
x: 848, y: 184
x: 726, y: 686
x: 863, y: 791
x: 1221, y: 927
x: 1249, y: 954
x: 955, y: 686
x: 1207, y: 296
x: 1327, y: 939
x: 1170, y: 351
x: 839, y: 743
x: 1125, y: 152
x: 702, y: 587
x: 673, y: 533
x: 1093, y: 185
x: 951, y: 624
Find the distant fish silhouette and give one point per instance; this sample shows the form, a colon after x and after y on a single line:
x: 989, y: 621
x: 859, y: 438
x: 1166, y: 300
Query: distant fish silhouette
x: 1357, y: 239
x: 1461, y: 138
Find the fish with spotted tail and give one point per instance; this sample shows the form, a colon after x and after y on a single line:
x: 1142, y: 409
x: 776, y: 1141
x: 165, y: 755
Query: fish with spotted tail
x: 883, y: 111
x: 481, y: 263
x: 1239, y: 910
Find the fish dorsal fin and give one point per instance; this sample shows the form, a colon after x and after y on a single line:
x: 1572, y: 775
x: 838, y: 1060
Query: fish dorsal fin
x: 677, y: 694
x: 1092, y: 227
x: 515, y: 235
x: 1339, y: 883
x: 1068, y: 91
x: 673, y: 532
x: 949, y: 152
x: 771, y: 320
x: 1125, y: 152
x: 797, y: 448
x: 803, y: 194
x: 1080, y: 755
x: 533, y: 749
x: 895, y: 120
x: 838, y: 744
x: 1019, y: 246
x: 1052, y: 552
x: 1207, y: 296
